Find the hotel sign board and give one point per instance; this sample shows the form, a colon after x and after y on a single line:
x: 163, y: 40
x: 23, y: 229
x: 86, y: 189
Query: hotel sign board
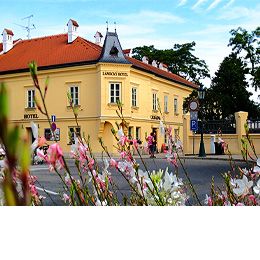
x: 115, y: 73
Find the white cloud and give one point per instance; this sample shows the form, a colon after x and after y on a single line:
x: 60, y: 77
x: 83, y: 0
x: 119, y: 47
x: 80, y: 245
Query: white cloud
x: 147, y: 17
x: 183, y: 2
x: 229, y: 4
x: 214, y: 4
x: 198, y: 3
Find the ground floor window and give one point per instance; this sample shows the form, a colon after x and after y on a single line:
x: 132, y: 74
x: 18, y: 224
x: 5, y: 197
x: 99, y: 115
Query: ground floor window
x: 73, y: 132
x: 130, y: 133
x: 138, y: 133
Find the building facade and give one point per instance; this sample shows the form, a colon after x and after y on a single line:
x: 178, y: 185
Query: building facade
x: 96, y: 75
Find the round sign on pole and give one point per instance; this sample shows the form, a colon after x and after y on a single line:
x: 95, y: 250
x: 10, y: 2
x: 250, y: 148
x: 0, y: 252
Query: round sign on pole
x: 194, y: 105
x: 53, y: 126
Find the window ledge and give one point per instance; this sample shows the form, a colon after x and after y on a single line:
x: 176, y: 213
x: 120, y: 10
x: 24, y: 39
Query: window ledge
x: 30, y: 109
x: 135, y: 107
x: 155, y: 111
x: 166, y: 112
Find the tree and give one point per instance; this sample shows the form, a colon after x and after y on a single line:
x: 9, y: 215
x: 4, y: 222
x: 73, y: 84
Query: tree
x: 179, y: 60
x: 249, y: 43
x: 228, y: 92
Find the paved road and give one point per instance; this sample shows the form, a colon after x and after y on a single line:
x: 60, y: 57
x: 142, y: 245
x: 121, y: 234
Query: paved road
x: 200, y: 173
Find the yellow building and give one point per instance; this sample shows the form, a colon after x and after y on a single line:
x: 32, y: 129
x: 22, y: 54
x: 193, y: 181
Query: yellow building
x: 96, y: 75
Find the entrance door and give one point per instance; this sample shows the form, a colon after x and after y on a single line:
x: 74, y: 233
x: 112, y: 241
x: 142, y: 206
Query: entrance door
x: 30, y: 135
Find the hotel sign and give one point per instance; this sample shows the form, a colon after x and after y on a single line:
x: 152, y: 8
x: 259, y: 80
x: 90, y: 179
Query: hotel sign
x: 30, y: 116
x: 115, y: 73
x: 155, y: 118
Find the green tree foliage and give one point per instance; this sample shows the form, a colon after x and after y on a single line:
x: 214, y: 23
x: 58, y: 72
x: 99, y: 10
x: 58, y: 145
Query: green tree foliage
x: 248, y: 45
x: 228, y: 92
x: 179, y: 60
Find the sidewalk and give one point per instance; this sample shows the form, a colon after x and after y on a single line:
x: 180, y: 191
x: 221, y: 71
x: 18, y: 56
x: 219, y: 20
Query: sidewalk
x: 225, y: 157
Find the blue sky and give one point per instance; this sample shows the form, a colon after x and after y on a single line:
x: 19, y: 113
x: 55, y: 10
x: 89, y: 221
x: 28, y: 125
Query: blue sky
x: 145, y: 22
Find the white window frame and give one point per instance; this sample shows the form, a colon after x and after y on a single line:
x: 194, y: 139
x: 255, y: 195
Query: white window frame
x: 74, y: 92
x: 175, y: 106
x: 113, y: 97
x: 166, y: 104
x: 71, y: 130
x: 134, y: 97
x: 30, y: 100
x: 154, y: 101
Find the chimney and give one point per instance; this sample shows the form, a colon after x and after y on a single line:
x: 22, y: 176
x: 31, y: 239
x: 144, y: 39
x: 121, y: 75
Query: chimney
x: 7, y: 40
x: 163, y: 66
x: 154, y: 63
x: 98, y: 36
x: 145, y: 59
x: 72, y: 30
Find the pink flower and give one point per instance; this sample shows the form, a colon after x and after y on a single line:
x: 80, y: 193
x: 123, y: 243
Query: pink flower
x: 240, y: 204
x: 41, y: 141
x: 122, y: 154
x: 82, y: 149
x: 135, y: 143
x: 55, y: 155
x: 113, y: 163
x: 122, y: 140
x: 91, y: 164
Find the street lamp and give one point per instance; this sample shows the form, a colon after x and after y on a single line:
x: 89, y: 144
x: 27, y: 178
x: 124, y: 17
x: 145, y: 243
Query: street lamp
x: 201, y: 97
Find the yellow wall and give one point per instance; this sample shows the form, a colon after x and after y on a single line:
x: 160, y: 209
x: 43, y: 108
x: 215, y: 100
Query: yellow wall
x: 96, y: 116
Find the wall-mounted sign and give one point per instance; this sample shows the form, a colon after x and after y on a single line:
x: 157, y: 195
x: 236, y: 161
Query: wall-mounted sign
x: 155, y: 118
x: 115, y: 73
x: 30, y: 116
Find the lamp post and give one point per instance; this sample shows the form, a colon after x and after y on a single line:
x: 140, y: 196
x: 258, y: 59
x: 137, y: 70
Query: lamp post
x: 201, y: 97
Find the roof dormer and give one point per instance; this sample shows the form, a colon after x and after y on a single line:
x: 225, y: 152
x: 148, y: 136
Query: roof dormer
x: 145, y: 59
x: 72, y: 30
x: 98, y: 37
x: 7, y: 40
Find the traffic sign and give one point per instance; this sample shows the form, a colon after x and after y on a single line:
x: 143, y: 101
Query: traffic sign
x: 193, y: 125
x: 53, y: 126
x: 53, y: 119
x: 194, y: 115
x: 194, y: 105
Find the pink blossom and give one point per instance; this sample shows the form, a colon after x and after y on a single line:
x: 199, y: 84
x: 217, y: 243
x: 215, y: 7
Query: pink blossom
x: 122, y: 154
x: 135, y: 143
x: 55, y: 155
x: 41, y: 141
x: 122, y: 140
x: 113, y: 163
x: 82, y: 149
x: 91, y: 164
x: 240, y: 204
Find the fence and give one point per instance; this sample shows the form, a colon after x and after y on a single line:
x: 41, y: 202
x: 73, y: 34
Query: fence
x: 254, y: 125
x: 218, y: 126
x: 232, y: 132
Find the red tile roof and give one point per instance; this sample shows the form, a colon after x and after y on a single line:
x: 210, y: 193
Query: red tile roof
x: 48, y: 51
x: 160, y: 72
x: 55, y: 50
x: 9, y: 32
x: 74, y: 23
